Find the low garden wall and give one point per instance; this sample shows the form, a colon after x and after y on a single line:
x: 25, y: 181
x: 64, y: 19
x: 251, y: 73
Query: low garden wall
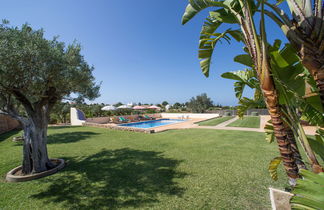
x: 114, y: 127
x: 234, y: 112
x: 7, y: 124
x: 189, y: 115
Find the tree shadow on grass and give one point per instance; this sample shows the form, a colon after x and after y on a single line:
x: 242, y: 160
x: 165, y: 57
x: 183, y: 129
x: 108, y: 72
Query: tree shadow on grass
x: 8, y: 134
x: 58, y: 127
x: 114, y: 179
x: 69, y: 137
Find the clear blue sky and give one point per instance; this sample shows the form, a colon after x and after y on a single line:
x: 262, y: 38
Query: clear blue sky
x: 139, y: 49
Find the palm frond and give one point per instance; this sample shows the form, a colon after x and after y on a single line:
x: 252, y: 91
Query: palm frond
x: 195, y: 6
x: 273, y: 166
x: 208, y: 41
x: 309, y: 191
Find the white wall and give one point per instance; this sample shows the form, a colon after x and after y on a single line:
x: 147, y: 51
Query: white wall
x: 74, y: 117
x: 190, y: 115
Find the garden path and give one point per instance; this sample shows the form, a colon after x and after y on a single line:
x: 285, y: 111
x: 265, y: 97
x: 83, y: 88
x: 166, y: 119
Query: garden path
x: 309, y: 130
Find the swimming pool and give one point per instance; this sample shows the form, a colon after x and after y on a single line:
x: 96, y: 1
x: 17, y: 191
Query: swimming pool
x: 152, y: 123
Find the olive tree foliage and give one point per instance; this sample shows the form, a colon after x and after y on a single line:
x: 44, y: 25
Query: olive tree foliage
x: 36, y: 73
x: 200, y: 103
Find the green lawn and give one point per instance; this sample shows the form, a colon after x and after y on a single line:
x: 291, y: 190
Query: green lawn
x: 215, y: 121
x: 180, y: 169
x: 246, y: 122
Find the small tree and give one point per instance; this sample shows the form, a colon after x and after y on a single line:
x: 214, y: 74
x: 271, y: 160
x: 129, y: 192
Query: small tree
x: 36, y: 73
x: 176, y: 105
x: 200, y: 104
x: 164, y: 103
x: 118, y: 104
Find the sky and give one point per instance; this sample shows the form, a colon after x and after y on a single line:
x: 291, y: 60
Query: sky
x: 139, y: 49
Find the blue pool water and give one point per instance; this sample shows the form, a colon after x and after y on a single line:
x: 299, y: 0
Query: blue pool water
x: 152, y: 123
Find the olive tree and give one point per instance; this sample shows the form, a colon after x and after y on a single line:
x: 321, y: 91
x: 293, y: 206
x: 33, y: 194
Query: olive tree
x: 200, y: 103
x: 36, y: 73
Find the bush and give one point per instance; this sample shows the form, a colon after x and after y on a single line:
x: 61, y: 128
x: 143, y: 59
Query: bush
x: 227, y: 114
x: 254, y: 113
x: 200, y: 103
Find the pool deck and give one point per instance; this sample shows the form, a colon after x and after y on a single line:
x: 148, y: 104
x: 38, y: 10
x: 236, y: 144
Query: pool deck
x: 190, y: 123
x: 193, y: 123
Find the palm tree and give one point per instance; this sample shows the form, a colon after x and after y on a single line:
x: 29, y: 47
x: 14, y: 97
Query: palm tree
x: 248, y: 78
x: 240, y: 13
x: 291, y: 81
x: 305, y: 31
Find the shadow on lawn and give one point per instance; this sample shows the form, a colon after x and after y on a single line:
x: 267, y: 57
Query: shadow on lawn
x: 9, y: 134
x: 69, y: 137
x: 114, y: 179
x: 57, y: 127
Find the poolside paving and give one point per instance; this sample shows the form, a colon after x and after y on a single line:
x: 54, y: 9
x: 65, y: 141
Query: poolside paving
x: 193, y: 123
x: 309, y: 130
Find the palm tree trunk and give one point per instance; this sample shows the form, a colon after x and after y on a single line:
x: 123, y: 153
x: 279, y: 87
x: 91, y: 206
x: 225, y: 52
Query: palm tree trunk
x: 294, y: 148
x: 280, y: 133
x: 314, y: 62
x: 258, y: 53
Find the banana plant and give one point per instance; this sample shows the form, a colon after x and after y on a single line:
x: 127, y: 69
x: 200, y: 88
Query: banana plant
x: 291, y: 80
x: 239, y: 13
x: 309, y: 191
x: 305, y: 31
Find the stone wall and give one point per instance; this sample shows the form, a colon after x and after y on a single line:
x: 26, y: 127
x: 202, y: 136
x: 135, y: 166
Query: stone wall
x: 7, y: 124
x: 114, y: 127
x: 189, y: 115
x: 234, y: 112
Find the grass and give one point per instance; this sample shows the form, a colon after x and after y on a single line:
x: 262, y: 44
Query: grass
x: 180, y: 169
x: 246, y: 122
x: 215, y: 121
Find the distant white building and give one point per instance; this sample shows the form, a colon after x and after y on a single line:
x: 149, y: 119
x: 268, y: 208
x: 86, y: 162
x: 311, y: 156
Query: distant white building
x: 167, y: 107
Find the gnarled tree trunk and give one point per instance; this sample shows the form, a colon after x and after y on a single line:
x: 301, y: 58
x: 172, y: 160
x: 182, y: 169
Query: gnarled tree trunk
x: 35, y: 156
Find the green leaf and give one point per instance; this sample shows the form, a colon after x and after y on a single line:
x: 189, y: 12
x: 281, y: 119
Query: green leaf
x: 317, y: 144
x: 237, y: 35
x: 208, y: 43
x: 247, y: 103
x: 279, y: 60
x: 204, y: 65
x: 239, y: 88
x: 276, y: 45
x: 273, y: 166
x: 269, y: 131
x: 309, y: 191
x: 279, y: 2
x: 223, y: 16
x: 232, y: 75
x: 289, y: 54
x: 315, y: 101
x: 195, y: 6
x: 244, y: 59
x: 313, y: 116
